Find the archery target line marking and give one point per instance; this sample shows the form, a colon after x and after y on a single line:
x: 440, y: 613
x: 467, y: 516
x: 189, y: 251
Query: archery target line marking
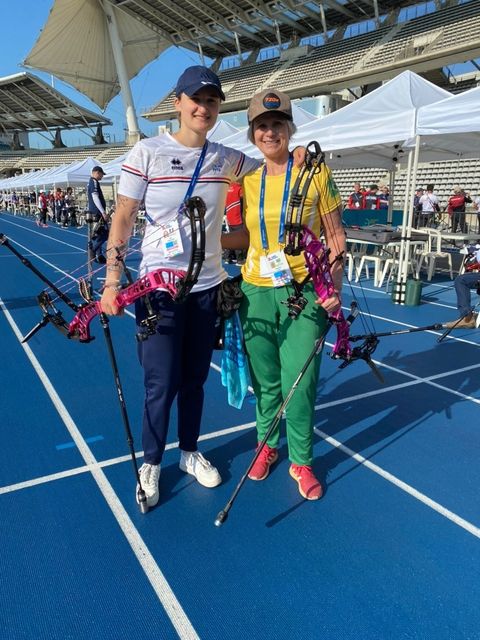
x: 152, y: 571
x: 239, y: 428
x: 71, y: 445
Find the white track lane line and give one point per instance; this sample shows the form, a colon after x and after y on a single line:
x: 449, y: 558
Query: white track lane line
x: 43, y: 235
x: 112, y: 461
x: 443, y: 511
x: 156, y: 578
x: 65, y: 273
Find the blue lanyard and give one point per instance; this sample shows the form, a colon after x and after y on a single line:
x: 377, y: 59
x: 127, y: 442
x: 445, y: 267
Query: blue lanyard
x: 283, y: 212
x: 191, y: 186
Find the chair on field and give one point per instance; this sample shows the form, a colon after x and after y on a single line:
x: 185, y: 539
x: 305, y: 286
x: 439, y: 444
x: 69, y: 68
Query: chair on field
x: 433, y: 254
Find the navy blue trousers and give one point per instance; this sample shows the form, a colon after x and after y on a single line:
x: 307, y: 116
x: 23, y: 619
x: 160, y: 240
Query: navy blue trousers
x: 96, y: 243
x: 176, y: 362
x: 463, y: 285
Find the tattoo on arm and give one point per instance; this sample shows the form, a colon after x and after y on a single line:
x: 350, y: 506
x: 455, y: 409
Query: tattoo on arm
x: 115, y: 254
x: 129, y: 205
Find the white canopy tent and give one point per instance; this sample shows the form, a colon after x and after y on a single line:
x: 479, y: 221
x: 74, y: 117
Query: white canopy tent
x: 74, y: 174
x: 29, y: 179
x: 450, y: 128
x: 369, y: 132
x: 221, y: 130
x: 372, y: 130
x: 445, y: 130
x: 113, y: 168
x: 77, y: 174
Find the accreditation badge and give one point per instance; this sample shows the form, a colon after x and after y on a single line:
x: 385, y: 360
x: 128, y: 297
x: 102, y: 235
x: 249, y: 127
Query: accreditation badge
x: 275, y: 266
x: 171, y: 240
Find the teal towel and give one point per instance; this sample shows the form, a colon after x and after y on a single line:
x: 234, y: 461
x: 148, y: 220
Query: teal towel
x: 234, y: 363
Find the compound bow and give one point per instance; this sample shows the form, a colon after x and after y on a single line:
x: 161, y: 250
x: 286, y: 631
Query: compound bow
x: 175, y: 282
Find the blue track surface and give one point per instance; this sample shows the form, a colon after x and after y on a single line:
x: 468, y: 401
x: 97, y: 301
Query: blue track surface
x: 392, y: 551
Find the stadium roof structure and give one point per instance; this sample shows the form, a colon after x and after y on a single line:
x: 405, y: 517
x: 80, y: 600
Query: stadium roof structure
x: 27, y: 103
x: 220, y: 27
x: 75, y: 45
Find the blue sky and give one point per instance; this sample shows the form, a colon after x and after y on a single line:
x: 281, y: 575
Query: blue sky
x: 20, y: 31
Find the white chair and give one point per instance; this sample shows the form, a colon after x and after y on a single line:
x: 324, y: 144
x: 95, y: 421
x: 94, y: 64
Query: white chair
x: 433, y: 254
x: 378, y: 258
x: 353, y: 255
x: 390, y: 265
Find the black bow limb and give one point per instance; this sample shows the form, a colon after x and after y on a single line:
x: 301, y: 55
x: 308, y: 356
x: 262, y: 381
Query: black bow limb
x: 50, y: 313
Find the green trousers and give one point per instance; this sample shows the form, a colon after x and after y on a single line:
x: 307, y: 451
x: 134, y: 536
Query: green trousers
x: 277, y: 348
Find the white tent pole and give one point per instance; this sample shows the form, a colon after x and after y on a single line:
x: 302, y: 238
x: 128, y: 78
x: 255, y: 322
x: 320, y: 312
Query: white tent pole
x: 133, y: 133
x: 411, y: 196
x: 399, y: 295
x: 408, y: 219
x: 391, y: 187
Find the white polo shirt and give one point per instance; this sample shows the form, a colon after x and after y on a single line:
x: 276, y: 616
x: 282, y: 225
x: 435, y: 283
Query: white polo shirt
x: 159, y: 171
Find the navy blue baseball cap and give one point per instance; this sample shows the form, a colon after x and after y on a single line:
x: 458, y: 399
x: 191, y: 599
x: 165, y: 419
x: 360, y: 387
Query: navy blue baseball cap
x: 195, y: 78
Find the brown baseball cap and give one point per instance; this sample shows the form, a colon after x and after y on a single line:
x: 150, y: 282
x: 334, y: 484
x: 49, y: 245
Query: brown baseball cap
x: 267, y: 101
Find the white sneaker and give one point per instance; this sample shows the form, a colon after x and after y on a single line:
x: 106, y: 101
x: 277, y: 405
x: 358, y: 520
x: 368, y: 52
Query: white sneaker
x: 194, y: 463
x: 149, y: 475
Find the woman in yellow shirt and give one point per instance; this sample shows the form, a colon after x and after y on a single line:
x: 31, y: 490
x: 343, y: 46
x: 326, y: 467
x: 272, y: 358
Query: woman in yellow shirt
x: 277, y: 345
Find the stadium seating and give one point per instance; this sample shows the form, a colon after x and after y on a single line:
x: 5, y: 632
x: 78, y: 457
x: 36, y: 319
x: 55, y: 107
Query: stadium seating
x: 433, y: 34
x: 32, y: 159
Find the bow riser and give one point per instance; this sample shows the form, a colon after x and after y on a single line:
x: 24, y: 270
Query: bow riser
x: 318, y: 265
x: 169, y: 280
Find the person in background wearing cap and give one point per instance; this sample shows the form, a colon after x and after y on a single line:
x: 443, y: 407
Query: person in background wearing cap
x: 97, y: 216
x: 278, y: 346
x: 165, y: 171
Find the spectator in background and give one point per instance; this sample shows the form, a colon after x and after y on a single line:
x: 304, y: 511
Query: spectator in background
x: 97, y: 216
x: 51, y: 204
x: 42, y: 208
x: 234, y: 220
x: 464, y: 284
x: 456, y: 208
x: 417, y: 207
x: 70, y: 214
x: 371, y: 197
x: 476, y: 205
x: 430, y: 205
x: 356, y: 198
x: 59, y: 204
x: 383, y: 197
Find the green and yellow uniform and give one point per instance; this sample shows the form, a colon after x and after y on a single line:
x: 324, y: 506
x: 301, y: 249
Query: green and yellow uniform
x: 278, y: 346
